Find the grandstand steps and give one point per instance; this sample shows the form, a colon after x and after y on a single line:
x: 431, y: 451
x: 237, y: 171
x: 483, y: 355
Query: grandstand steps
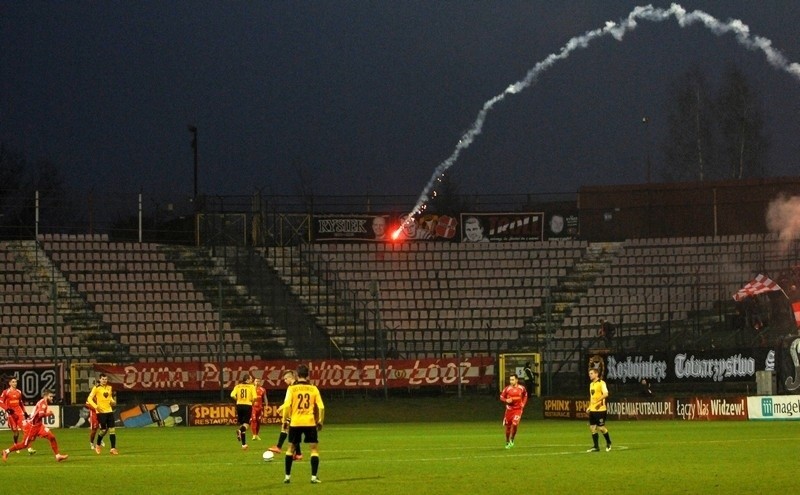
x: 246, y: 315
x: 332, y: 310
x: 72, y: 314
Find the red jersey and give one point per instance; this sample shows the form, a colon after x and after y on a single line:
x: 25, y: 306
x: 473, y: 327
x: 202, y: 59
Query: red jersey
x: 40, y: 412
x: 517, y: 394
x: 261, y: 398
x: 11, y: 398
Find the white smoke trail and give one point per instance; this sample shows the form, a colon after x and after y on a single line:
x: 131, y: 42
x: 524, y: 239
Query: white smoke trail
x: 783, y: 218
x: 617, y: 31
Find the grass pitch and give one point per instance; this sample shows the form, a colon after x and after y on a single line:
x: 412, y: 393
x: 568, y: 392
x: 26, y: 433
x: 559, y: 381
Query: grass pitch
x: 427, y: 458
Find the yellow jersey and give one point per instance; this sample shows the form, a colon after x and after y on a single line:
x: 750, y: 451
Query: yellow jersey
x: 244, y: 393
x: 597, y: 396
x: 303, y: 405
x: 102, y: 399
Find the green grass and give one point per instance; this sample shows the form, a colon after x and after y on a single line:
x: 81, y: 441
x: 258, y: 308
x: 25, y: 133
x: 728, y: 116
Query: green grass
x: 428, y: 458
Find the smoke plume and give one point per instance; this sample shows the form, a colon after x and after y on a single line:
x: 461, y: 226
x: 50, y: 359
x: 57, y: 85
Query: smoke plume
x: 617, y: 30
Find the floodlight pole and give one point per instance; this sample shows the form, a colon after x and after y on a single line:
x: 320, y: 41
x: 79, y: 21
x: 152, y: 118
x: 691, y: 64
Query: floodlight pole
x: 193, y: 130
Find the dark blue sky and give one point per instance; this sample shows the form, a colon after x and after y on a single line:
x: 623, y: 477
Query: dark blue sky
x: 368, y: 96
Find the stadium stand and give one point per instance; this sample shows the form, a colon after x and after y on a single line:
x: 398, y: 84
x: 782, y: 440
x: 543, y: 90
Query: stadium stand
x: 429, y: 299
x: 144, y: 299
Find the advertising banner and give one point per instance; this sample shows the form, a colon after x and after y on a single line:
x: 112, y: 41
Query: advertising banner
x: 710, y: 408
x: 692, y: 408
x: 32, y: 379
x: 328, y: 374
x: 774, y: 407
x: 380, y: 227
x: 53, y: 421
x: 642, y: 409
x: 225, y: 414
x: 565, y: 408
x: 497, y: 227
x: 138, y: 416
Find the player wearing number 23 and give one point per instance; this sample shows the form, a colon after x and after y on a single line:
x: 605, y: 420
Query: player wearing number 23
x: 304, y: 412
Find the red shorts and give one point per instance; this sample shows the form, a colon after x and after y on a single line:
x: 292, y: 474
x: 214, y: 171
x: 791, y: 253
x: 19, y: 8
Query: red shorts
x: 93, y: 422
x: 15, y: 420
x: 512, y: 417
x: 33, y: 431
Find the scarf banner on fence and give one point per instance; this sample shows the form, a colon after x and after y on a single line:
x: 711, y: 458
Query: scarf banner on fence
x: 326, y: 374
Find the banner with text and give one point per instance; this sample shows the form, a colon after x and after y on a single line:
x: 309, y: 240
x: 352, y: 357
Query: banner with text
x: 32, y: 379
x: 691, y: 408
x: 774, y: 407
x: 716, y: 366
x: 328, y: 374
x: 53, y: 421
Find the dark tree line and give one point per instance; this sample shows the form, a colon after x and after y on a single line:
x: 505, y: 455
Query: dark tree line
x: 714, y: 133
x: 20, y: 178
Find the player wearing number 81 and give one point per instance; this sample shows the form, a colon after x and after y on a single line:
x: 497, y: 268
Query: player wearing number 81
x: 514, y: 396
x: 304, y: 412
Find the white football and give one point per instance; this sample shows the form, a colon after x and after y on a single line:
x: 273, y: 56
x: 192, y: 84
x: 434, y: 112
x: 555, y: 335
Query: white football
x: 268, y: 456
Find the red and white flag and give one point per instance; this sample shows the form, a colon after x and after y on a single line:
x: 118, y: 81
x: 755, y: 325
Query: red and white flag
x: 796, y: 311
x: 759, y: 285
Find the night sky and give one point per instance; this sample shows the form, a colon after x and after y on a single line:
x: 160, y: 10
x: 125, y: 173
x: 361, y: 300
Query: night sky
x: 367, y: 97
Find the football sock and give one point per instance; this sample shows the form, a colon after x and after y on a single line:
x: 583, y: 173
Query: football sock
x: 608, y: 438
x: 297, y: 450
x: 281, y: 439
x: 595, y: 438
x: 287, y: 463
x: 314, y: 464
x: 244, y: 434
x: 113, y: 437
x: 53, y: 444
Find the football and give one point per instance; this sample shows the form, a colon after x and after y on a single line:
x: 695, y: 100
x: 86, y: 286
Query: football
x: 268, y: 456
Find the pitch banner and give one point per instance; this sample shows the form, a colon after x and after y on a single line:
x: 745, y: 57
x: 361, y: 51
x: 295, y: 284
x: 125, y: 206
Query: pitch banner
x: 328, y: 374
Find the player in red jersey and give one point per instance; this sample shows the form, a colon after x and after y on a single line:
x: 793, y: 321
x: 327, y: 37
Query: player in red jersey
x: 514, y: 396
x: 12, y: 403
x: 35, y: 428
x: 94, y: 424
x: 258, y: 408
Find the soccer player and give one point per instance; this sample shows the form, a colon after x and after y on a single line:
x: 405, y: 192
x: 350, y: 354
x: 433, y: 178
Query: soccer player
x: 288, y: 379
x: 244, y: 393
x: 11, y: 401
x: 514, y: 396
x: 102, y: 400
x: 304, y: 412
x: 35, y: 428
x: 258, y: 408
x: 598, y: 392
x: 94, y: 425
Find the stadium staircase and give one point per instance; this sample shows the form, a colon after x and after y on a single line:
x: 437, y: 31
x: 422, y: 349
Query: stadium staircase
x: 53, y: 307
x: 241, y: 290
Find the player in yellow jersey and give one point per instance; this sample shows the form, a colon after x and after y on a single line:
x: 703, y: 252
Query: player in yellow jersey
x: 102, y: 399
x: 244, y: 393
x: 598, y: 393
x: 304, y: 413
x: 288, y: 378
